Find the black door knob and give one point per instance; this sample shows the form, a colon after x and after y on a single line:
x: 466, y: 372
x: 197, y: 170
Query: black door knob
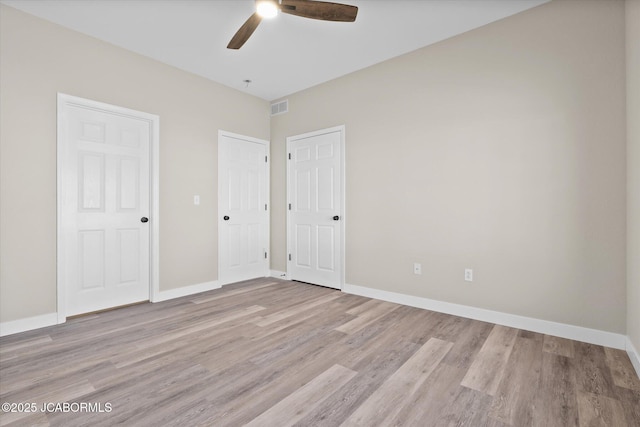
x: 226, y: 217
x: 335, y: 218
x: 144, y: 219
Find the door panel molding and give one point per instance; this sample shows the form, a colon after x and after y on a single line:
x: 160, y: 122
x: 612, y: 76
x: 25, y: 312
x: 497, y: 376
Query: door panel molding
x: 96, y: 133
x: 299, y: 198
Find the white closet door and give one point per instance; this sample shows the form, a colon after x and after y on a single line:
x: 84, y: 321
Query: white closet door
x: 315, y: 231
x: 243, y: 208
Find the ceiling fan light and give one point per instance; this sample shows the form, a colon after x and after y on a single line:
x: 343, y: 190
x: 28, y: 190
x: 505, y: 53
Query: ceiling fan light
x: 266, y: 8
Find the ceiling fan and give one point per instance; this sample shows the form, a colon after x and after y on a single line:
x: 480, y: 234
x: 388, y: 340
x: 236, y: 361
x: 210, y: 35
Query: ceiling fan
x: 321, y: 10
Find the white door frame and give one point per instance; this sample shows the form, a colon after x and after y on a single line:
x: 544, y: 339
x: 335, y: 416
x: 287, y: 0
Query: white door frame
x: 343, y: 217
x: 267, y: 144
x: 65, y: 101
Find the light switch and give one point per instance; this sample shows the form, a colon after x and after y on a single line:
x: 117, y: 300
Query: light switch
x: 196, y: 200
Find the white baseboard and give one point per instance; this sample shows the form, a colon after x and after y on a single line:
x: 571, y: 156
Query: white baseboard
x: 578, y: 333
x: 278, y: 274
x: 27, y: 324
x: 186, y: 291
x: 634, y: 355
x: 44, y: 320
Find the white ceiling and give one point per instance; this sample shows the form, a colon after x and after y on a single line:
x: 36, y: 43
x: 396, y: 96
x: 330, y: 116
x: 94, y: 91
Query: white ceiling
x: 285, y: 54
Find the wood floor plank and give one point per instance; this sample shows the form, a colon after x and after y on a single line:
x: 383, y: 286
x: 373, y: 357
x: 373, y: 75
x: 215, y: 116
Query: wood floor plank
x: 487, y: 369
x: 200, y: 346
x: 622, y: 371
x: 265, y: 345
x: 475, y: 406
x: 259, y: 387
x: 66, y: 392
x: 592, y: 372
x: 286, y: 322
x: 467, y: 344
x: 296, y: 310
x: 34, y: 420
x: 200, y: 326
x: 385, y: 404
x: 258, y: 362
x: 440, y: 400
x: 417, y: 325
x: 143, y: 402
x: 300, y: 335
x: 559, y: 346
x: 433, y: 399
x: 445, y: 326
x: 298, y: 404
x: 367, y: 317
x: 76, y: 358
x: 232, y: 293
x: 373, y: 372
x: 630, y: 400
x: 555, y: 401
x: 364, y: 306
x: 53, y: 377
x: 24, y: 345
x: 598, y: 410
x: 66, y: 351
x: 513, y: 403
x: 395, y: 327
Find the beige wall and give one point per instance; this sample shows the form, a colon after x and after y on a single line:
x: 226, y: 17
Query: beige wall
x: 501, y: 150
x: 633, y: 171
x: 39, y: 59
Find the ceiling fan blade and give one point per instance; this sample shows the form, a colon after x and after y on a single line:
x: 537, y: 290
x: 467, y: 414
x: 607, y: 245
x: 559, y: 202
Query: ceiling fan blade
x: 243, y: 34
x: 323, y: 10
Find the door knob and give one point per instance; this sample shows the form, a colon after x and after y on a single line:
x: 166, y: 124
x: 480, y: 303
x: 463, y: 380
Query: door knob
x: 335, y: 218
x: 226, y: 217
x: 144, y: 219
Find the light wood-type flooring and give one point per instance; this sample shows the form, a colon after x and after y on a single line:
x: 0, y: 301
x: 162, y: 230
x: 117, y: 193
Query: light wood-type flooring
x: 275, y: 353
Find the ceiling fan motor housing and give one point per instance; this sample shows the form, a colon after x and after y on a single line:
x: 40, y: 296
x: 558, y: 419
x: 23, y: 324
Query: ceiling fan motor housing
x: 321, y: 10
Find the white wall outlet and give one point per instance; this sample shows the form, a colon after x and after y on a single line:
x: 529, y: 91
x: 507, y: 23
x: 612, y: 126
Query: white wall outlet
x: 417, y: 268
x: 468, y: 275
x: 196, y: 200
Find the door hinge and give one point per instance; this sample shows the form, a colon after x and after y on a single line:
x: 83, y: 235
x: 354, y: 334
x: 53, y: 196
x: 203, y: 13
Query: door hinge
x: 289, y: 156
x: 265, y: 255
x: 265, y: 159
x: 289, y: 206
x: 265, y: 206
x: 289, y: 257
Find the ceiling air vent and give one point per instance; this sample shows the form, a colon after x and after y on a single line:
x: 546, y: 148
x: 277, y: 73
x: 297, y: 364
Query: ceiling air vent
x: 280, y: 107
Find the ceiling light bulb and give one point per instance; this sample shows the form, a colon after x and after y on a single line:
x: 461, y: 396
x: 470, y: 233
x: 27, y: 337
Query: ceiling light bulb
x: 266, y: 8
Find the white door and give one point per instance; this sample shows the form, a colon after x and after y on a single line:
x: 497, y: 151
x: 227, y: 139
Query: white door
x: 243, y: 208
x: 315, y: 179
x: 104, y: 203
